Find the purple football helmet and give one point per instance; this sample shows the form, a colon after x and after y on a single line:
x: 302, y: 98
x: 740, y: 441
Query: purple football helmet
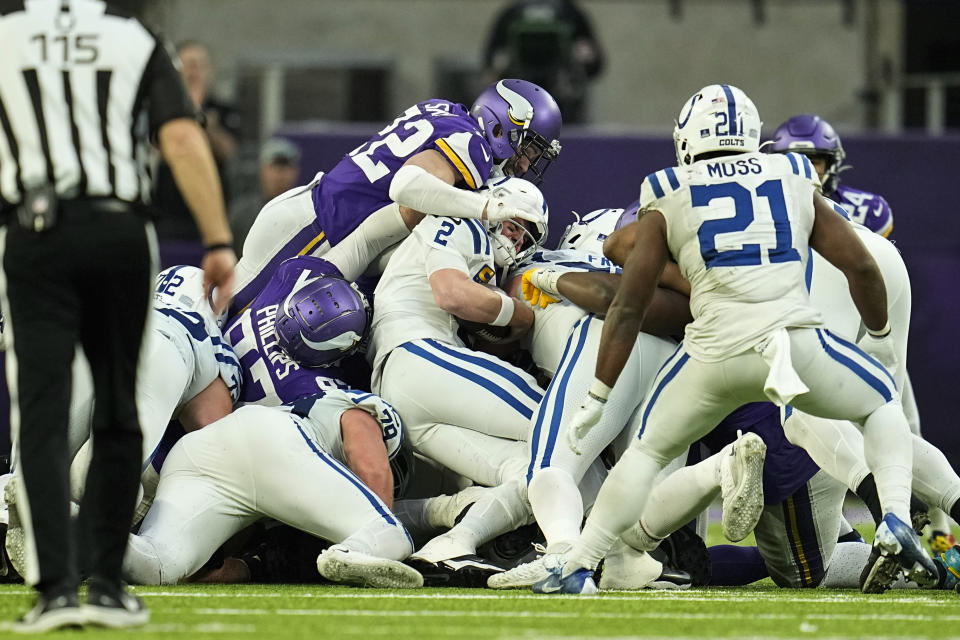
x: 811, y: 135
x: 322, y: 321
x: 629, y: 215
x: 519, y: 118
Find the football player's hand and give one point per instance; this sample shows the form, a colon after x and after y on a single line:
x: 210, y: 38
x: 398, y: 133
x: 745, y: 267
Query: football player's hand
x: 218, y: 267
x: 585, y: 419
x: 881, y: 348
x: 499, y: 209
x: 538, y: 287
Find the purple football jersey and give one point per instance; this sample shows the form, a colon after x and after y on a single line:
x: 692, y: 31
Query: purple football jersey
x: 869, y: 209
x: 360, y: 183
x: 271, y: 378
x: 787, y: 467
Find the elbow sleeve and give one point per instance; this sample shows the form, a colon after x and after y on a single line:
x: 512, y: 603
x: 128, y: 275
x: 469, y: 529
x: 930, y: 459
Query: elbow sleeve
x: 418, y: 189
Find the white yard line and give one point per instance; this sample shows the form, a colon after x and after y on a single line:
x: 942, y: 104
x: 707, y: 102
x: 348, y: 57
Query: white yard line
x: 454, y: 613
x: 921, y: 599
x: 917, y: 598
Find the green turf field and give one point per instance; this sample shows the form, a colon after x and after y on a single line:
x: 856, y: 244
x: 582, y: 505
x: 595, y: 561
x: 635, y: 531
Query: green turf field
x: 335, y: 612
x: 319, y: 612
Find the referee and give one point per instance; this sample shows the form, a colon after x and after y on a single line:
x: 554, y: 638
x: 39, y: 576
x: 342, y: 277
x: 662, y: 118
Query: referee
x: 83, y: 89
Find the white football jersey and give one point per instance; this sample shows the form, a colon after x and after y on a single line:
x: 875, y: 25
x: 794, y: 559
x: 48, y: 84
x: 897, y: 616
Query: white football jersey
x: 182, y: 314
x: 552, y: 325
x: 739, y: 228
x: 320, y: 415
x: 830, y: 293
x: 404, y: 308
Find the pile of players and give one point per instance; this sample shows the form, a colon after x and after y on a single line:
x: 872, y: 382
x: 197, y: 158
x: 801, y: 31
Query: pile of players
x: 408, y: 377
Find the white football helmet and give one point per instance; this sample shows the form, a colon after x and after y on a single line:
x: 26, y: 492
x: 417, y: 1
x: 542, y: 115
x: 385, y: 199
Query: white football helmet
x: 719, y: 117
x: 524, y: 195
x: 588, y: 232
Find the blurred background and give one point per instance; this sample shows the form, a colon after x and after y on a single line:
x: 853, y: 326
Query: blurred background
x: 290, y: 86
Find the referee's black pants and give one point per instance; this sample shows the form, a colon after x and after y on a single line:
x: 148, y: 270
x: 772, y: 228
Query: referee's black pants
x: 86, y: 280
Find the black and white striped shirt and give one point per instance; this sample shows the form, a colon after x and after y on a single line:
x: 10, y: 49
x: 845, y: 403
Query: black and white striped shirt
x: 82, y: 89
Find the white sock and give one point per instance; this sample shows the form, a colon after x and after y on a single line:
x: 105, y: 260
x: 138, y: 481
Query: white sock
x: 382, y: 540
x: 413, y: 515
x: 500, y: 510
x: 888, y: 448
x: 845, y: 566
x: 934, y: 480
x: 619, y: 505
x: 682, y: 495
x: 557, y: 506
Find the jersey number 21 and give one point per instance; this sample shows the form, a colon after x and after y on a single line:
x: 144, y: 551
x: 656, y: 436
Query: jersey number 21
x: 748, y: 254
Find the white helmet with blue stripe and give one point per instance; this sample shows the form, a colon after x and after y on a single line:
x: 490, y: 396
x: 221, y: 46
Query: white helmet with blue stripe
x: 524, y: 195
x: 588, y: 232
x: 719, y: 117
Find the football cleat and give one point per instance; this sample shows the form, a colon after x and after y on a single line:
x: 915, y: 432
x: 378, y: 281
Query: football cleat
x: 941, y: 541
x: 685, y: 552
x: 515, y: 547
x: 522, y: 576
x: 340, y: 564
x: 741, y: 485
x: 879, y: 572
x: 896, y: 539
x: 471, y: 572
x: 14, y: 544
x: 580, y: 581
x: 628, y: 569
x: 444, y: 547
x: 948, y: 567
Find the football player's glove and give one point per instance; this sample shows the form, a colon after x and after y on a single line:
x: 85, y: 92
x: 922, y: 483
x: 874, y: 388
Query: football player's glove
x: 881, y: 348
x: 506, y: 207
x: 585, y: 419
x: 539, y: 287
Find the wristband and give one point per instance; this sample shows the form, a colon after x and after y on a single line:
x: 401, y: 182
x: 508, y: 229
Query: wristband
x: 217, y: 246
x: 506, y: 310
x: 599, y: 390
x: 881, y: 333
x: 546, y: 281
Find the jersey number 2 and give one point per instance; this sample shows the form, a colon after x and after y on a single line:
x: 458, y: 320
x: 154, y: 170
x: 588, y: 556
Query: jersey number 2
x: 748, y: 254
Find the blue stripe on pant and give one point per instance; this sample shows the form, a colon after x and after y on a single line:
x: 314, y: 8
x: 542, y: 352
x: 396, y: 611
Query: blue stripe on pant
x: 674, y: 363
x: 556, y: 393
x: 447, y: 361
x: 853, y: 358
x: 354, y: 480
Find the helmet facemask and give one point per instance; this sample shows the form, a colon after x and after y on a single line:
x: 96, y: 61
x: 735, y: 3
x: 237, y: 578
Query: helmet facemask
x: 508, y: 252
x: 538, y: 150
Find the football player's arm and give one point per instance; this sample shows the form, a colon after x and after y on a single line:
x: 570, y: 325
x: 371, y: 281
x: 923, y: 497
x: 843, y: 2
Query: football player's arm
x: 619, y: 244
x: 637, y: 286
x: 365, y: 452
x: 186, y: 150
x: 457, y: 294
x: 425, y: 185
x: 208, y: 406
x: 667, y: 315
x: 834, y: 239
